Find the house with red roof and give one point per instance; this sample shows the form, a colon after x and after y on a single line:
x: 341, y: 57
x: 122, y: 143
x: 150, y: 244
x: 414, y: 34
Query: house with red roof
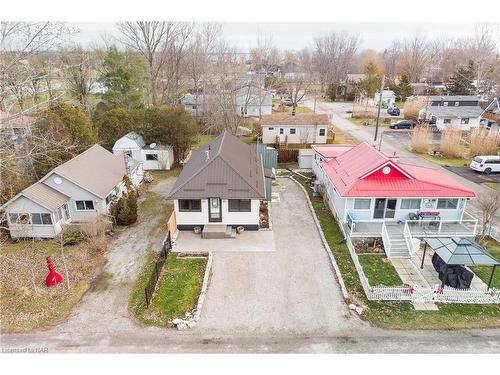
x: 374, y: 195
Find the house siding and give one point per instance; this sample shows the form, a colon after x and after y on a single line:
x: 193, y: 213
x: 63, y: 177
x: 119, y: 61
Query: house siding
x: 189, y: 219
x: 310, y: 133
x: 25, y: 205
x: 456, y: 123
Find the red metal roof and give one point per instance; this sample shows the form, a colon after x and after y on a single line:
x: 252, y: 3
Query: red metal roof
x: 363, y: 171
x: 331, y: 151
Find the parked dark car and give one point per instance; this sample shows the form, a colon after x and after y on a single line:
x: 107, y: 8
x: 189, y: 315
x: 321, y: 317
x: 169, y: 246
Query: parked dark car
x: 393, y: 111
x: 403, y: 124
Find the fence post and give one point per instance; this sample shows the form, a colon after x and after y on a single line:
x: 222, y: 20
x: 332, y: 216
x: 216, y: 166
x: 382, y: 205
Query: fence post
x: 147, y: 299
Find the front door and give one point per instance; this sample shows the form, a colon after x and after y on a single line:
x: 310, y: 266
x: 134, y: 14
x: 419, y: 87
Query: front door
x: 214, y: 210
x: 384, y: 208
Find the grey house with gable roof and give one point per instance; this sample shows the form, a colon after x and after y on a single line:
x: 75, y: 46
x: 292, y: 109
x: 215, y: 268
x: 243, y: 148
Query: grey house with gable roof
x: 222, y: 183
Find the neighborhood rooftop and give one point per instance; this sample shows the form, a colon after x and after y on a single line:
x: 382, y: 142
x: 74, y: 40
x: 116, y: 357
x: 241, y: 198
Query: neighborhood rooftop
x: 358, y: 173
x: 457, y: 112
x: 95, y: 169
x: 206, y: 174
x: 297, y: 119
x: 453, y: 98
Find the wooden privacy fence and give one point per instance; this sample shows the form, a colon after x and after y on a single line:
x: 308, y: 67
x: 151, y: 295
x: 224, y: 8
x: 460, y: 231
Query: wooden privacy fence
x: 172, y: 224
x: 288, y: 156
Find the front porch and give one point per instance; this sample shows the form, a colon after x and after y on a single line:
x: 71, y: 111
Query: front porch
x: 465, y: 227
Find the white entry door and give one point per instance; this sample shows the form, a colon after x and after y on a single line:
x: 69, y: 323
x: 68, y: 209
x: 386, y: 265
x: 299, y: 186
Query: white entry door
x: 214, y: 210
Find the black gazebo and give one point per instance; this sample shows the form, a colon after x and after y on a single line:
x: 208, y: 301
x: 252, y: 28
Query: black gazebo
x: 460, y: 251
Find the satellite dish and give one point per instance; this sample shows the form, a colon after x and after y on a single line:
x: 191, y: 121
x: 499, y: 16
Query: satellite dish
x: 152, y: 145
x: 57, y: 180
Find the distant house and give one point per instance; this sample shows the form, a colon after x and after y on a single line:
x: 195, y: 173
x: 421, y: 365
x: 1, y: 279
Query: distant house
x: 388, y: 98
x: 76, y: 191
x: 458, y: 111
x: 349, y: 87
x: 491, y: 115
x: 253, y: 101
x: 301, y: 128
x: 14, y: 128
x: 153, y: 156
x: 249, y: 101
x: 222, y: 183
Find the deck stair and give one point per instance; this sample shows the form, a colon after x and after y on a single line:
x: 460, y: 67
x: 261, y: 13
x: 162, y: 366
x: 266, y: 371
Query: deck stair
x: 398, y: 246
x: 218, y: 231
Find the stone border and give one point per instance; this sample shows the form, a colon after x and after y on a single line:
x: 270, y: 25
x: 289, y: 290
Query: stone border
x: 204, y: 287
x: 191, y: 318
x: 333, y: 262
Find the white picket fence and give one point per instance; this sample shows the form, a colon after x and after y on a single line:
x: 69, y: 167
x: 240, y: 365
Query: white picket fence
x: 421, y: 294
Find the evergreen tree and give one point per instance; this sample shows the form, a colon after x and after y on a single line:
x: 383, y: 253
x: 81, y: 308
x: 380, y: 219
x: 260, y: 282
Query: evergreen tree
x: 371, y: 83
x: 112, y: 124
x: 76, y: 121
x: 331, y: 91
x: 403, y: 89
x: 124, y: 79
x: 462, y: 80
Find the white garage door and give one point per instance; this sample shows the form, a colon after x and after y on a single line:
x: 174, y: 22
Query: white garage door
x: 305, y: 161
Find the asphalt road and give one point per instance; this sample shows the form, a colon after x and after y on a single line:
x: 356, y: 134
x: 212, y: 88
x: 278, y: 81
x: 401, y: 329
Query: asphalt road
x: 339, y: 114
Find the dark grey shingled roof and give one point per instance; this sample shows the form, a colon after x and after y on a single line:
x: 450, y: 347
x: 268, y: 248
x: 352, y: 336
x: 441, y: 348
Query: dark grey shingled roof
x: 232, y: 171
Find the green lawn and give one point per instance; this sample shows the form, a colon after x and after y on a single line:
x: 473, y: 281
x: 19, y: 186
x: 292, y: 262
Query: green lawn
x: 452, y: 162
x: 484, y: 272
x: 203, y: 140
x: 176, y: 293
x: 397, y: 315
x: 299, y: 109
x: 379, y: 270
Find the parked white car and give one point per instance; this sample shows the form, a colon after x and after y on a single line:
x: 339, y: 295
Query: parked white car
x: 486, y: 163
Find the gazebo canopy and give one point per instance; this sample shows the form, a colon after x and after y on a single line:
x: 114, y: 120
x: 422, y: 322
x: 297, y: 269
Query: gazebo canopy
x: 464, y: 251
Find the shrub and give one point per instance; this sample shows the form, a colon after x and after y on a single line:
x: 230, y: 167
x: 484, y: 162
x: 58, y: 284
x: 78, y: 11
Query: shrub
x: 483, y: 142
x: 420, y: 139
x: 411, y: 112
x: 125, y: 209
x: 72, y: 238
x: 450, y: 143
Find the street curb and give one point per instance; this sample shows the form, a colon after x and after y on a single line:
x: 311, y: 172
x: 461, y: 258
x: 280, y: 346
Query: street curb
x: 333, y: 262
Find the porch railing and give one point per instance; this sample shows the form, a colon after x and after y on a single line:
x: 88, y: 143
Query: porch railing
x: 364, y: 227
x: 442, y: 228
x: 386, y: 240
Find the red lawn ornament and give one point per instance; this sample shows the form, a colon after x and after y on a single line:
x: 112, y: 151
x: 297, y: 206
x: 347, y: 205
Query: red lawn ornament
x: 411, y: 290
x: 53, y: 277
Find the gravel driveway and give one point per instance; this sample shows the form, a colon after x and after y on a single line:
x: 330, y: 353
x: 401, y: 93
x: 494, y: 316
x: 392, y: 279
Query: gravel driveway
x: 291, y: 290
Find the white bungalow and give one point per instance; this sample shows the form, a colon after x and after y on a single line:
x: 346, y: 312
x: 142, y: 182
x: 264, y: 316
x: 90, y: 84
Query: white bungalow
x: 76, y: 191
x: 301, y: 128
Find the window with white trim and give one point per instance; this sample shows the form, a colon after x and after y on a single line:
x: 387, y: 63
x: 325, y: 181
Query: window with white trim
x: 322, y: 132
x: 411, y: 204
x: 362, y: 204
x: 84, y: 205
x: 447, y: 121
x: 16, y: 218
x: 151, y: 156
x: 292, y: 131
x: 239, y: 205
x: 41, y: 219
x: 447, y: 203
x: 464, y: 120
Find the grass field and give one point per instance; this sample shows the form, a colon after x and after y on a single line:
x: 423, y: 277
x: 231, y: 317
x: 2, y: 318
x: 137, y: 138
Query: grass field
x: 26, y: 303
x: 176, y: 293
x: 397, y: 315
x: 379, y: 270
x: 452, y: 162
x: 484, y: 272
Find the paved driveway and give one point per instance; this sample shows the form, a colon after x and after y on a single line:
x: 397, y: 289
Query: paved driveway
x: 290, y: 290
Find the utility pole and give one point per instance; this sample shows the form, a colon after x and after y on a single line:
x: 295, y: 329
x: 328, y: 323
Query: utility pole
x: 379, y: 107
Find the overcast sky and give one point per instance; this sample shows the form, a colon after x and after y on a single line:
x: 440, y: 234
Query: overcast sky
x: 299, y: 35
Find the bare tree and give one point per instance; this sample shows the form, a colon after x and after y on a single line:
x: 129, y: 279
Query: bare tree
x: 19, y: 43
x: 333, y: 55
x: 80, y: 72
x: 299, y: 82
x: 414, y: 57
x: 489, y: 203
x: 163, y: 45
